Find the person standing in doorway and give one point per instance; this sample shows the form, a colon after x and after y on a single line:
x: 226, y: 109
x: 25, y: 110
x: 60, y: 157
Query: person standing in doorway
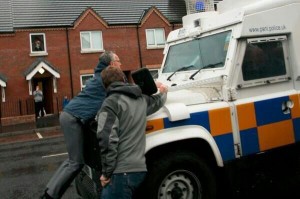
x: 38, y: 101
x: 79, y: 111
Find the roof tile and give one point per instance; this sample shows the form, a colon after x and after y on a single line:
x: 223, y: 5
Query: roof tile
x: 16, y: 14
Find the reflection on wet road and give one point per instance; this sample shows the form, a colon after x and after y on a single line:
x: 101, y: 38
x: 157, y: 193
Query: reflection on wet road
x: 26, y: 167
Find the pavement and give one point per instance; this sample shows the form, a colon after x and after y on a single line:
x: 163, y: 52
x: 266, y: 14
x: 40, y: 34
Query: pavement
x: 45, y: 127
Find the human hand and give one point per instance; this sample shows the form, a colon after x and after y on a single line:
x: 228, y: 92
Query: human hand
x: 158, y: 84
x: 163, y: 88
x: 104, y: 181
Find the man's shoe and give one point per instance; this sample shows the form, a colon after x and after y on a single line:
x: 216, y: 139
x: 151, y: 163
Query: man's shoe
x: 45, y: 196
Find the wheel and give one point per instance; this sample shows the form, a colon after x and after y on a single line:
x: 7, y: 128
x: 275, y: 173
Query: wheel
x: 85, y: 187
x: 180, y: 175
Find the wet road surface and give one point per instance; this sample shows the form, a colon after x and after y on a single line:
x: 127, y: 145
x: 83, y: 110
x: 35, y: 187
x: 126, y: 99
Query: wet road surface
x: 27, y: 161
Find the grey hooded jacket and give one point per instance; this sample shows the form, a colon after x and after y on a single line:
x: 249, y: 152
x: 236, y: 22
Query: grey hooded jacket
x: 122, y: 125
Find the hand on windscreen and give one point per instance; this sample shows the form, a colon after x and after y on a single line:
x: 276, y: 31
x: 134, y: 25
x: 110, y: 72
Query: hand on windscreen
x: 163, y: 88
x: 158, y: 84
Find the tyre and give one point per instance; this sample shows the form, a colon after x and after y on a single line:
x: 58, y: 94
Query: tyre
x: 180, y: 175
x: 85, y: 187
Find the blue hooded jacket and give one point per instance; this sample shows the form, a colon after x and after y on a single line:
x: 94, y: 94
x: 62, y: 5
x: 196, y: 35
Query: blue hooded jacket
x: 87, y: 103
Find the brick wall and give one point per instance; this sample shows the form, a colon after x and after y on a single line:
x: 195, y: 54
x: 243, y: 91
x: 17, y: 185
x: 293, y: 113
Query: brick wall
x: 64, y: 54
x: 17, y: 120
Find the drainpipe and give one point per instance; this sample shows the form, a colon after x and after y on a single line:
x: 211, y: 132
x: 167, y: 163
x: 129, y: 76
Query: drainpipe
x: 138, y: 38
x: 70, y: 64
x: 139, y: 45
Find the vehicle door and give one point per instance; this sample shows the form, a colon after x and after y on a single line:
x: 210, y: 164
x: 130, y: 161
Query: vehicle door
x: 267, y: 103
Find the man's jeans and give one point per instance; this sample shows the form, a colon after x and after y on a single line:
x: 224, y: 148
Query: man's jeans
x: 123, y: 185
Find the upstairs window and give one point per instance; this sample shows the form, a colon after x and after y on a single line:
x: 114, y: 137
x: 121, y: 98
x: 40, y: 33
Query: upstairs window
x: 155, y: 38
x: 38, y: 44
x: 91, y: 41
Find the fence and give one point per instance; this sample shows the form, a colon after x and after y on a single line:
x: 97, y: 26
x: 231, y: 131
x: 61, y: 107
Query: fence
x: 20, y: 107
x: 16, y: 108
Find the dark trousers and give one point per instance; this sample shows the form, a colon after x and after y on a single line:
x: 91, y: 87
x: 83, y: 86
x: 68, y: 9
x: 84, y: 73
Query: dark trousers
x: 39, y: 107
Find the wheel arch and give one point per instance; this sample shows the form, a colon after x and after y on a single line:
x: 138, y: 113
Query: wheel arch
x: 193, y: 138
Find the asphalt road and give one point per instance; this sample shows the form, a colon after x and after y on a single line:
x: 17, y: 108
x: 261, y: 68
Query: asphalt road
x: 268, y: 175
x: 27, y: 162
x: 26, y: 167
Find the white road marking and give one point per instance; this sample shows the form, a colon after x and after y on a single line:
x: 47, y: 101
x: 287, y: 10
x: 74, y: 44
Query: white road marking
x: 54, y: 155
x: 39, y: 135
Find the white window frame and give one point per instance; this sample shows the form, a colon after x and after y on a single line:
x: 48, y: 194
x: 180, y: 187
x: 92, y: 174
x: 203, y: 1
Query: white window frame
x: 82, y: 84
x: 42, y: 38
x: 3, y: 94
x: 155, y: 45
x: 92, y: 44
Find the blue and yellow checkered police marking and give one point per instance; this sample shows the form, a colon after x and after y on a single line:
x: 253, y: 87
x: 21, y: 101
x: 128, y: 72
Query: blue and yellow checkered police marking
x: 262, y: 125
x: 217, y: 122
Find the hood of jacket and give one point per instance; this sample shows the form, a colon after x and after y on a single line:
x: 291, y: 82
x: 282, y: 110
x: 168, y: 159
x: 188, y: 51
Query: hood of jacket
x: 131, y: 90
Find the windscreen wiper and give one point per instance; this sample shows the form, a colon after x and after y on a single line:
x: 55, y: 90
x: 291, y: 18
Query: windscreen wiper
x: 208, y: 66
x: 180, y: 69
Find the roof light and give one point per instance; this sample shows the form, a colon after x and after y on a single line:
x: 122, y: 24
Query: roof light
x: 199, y: 6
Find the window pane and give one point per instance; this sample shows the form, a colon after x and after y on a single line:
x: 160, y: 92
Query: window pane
x: 97, y: 40
x: 150, y: 37
x: 209, y: 52
x: 263, y: 60
x: 154, y: 73
x: 183, y: 55
x: 38, y: 42
x: 85, y: 39
x: 214, y: 49
x: 85, y: 78
x: 160, y: 36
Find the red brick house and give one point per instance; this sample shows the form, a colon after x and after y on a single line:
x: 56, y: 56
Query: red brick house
x: 56, y: 45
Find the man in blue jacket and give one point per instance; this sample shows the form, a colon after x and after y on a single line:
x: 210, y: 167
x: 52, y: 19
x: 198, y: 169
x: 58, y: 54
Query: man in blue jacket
x: 79, y: 111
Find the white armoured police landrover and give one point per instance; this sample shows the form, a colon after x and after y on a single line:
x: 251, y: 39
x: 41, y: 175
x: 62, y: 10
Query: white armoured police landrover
x: 234, y: 81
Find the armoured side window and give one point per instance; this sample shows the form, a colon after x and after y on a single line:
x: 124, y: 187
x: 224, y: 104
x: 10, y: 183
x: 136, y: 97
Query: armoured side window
x: 263, y: 60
